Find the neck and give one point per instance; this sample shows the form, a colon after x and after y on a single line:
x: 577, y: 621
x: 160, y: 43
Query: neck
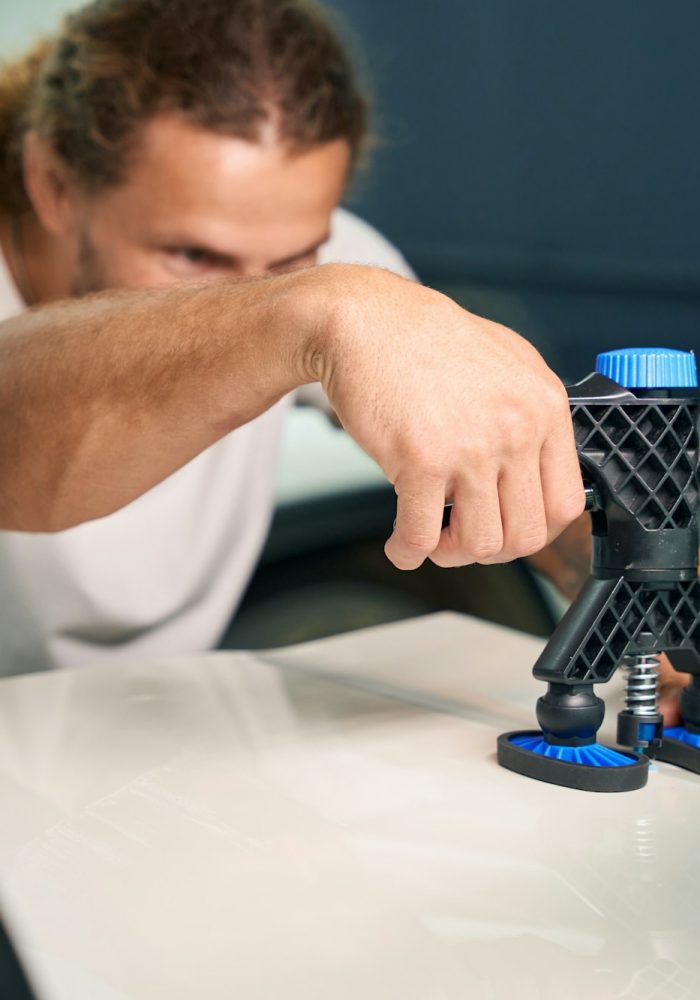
x: 40, y: 264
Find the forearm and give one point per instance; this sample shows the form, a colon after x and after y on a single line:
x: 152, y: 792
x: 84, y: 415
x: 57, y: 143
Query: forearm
x: 102, y: 398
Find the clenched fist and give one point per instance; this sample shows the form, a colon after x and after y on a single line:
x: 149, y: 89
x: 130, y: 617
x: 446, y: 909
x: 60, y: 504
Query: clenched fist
x: 453, y: 408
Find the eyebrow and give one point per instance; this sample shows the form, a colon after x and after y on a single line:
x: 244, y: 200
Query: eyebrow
x: 231, y: 259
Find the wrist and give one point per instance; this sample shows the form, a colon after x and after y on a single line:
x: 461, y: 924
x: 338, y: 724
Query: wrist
x: 329, y: 300
x: 291, y: 309
x: 315, y: 317
x: 310, y: 303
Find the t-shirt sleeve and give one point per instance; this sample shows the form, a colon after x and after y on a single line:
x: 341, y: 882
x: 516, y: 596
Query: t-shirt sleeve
x: 354, y: 241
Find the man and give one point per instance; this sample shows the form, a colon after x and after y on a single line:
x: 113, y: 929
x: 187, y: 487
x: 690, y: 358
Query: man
x: 171, y: 146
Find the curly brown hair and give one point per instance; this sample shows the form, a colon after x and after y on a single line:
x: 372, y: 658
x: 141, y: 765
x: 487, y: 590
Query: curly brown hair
x: 227, y: 65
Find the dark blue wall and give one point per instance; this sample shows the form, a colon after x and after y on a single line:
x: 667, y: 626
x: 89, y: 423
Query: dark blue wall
x: 539, y: 159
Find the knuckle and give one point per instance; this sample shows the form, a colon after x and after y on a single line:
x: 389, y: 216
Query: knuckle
x: 477, y: 457
x: 400, y: 558
x: 405, y: 564
x: 487, y: 548
x: 416, y: 542
x: 443, y: 560
x: 530, y: 542
x: 516, y: 431
x: 421, y: 461
x: 565, y: 509
x: 554, y: 395
x: 414, y: 453
x: 552, y: 405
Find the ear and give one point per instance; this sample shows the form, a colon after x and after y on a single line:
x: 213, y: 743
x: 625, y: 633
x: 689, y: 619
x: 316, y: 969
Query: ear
x: 48, y: 184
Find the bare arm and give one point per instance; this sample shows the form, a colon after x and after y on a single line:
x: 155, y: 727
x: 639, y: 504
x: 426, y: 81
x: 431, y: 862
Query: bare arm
x: 102, y: 398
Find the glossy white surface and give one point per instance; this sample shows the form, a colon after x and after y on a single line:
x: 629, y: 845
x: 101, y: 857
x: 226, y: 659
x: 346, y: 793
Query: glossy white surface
x: 330, y: 822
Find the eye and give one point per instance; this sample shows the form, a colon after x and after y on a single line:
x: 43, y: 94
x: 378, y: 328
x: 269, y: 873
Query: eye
x: 192, y: 261
x: 194, y: 255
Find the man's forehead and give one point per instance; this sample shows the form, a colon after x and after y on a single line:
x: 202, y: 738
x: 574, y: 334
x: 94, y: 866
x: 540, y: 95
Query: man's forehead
x: 174, y: 159
x: 190, y: 186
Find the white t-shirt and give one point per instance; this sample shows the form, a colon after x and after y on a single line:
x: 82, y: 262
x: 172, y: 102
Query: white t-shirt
x: 165, y: 573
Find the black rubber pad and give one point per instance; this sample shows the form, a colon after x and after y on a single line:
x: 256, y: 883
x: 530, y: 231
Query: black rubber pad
x: 679, y: 753
x: 559, y: 772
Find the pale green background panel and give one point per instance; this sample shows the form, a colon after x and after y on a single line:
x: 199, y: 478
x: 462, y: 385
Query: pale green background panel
x: 22, y: 23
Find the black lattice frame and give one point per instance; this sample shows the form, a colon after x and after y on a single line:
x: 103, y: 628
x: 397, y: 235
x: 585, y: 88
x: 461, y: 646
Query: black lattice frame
x: 623, y: 618
x: 647, y: 453
x: 641, y: 454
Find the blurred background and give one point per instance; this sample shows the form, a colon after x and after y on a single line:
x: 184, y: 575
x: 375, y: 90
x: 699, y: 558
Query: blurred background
x: 538, y: 162
x: 537, y: 159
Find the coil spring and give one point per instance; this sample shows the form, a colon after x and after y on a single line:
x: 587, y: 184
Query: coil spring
x: 642, y: 671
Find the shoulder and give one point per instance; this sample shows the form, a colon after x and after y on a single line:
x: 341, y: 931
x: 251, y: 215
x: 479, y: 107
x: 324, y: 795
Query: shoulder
x: 354, y: 241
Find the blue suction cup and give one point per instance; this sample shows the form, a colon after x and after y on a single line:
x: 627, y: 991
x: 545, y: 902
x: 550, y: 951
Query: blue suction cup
x: 680, y: 747
x: 683, y: 735
x: 591, y: 768
x: 592, y: 755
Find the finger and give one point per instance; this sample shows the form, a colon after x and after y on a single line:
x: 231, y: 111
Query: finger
x: 560, y: 474
x: 671, y: 683
x: 522, y: 508
x: 669, y: 706
x: 419, y: 509
x: 475, y: 532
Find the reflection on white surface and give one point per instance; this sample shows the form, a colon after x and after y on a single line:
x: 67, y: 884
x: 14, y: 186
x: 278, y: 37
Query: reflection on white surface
x: 330, y: 822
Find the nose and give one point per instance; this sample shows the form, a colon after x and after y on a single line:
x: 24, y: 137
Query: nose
x: 252, y: 269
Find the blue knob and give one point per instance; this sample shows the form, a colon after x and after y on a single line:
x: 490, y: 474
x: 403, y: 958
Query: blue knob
x: 649, y: 368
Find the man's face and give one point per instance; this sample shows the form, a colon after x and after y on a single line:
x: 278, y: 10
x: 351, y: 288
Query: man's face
x: 198, y: 206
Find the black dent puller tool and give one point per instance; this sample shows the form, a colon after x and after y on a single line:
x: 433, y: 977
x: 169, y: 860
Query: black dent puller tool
x: 636, y: 427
